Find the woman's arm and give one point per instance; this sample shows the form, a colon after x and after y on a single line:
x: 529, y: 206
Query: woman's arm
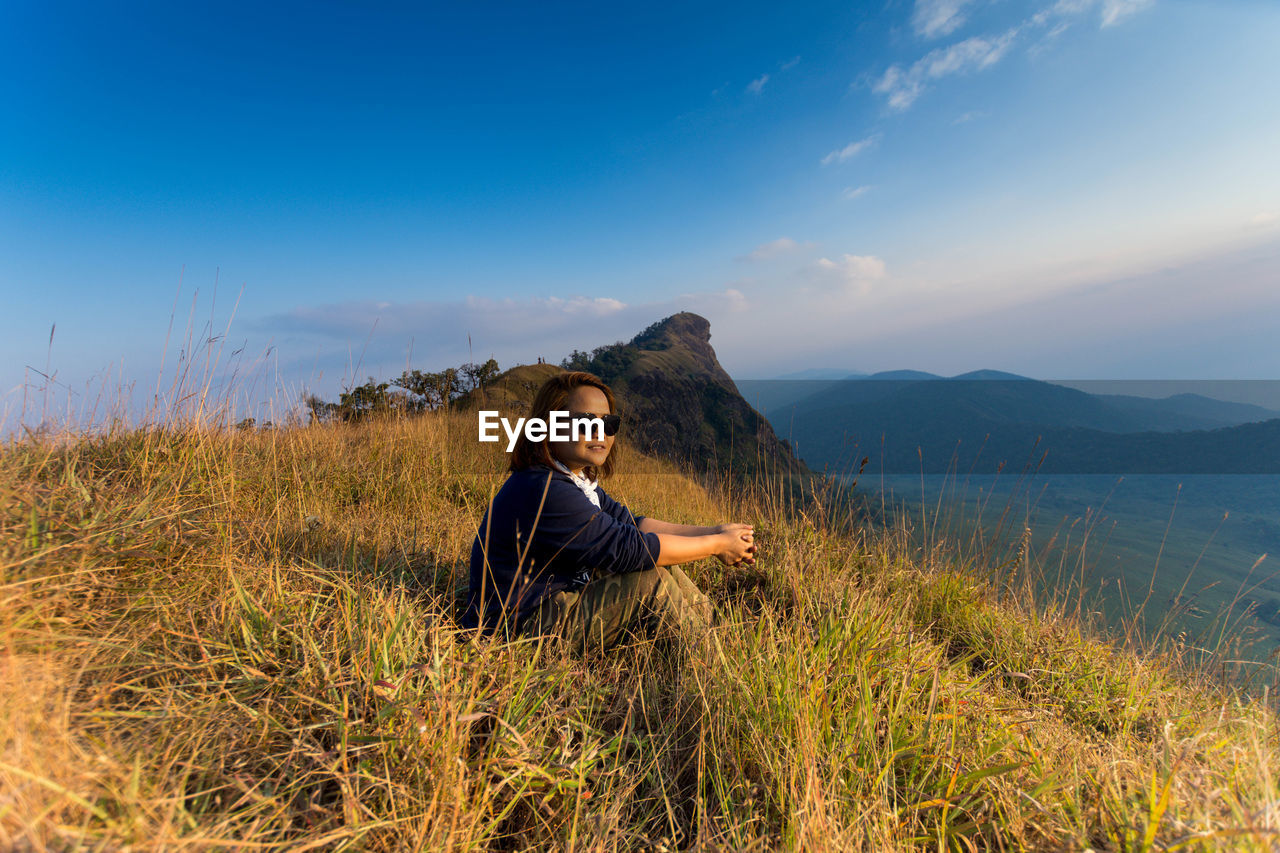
x: 653, y: 525
x: 683, y: 543
x: 731, y: 548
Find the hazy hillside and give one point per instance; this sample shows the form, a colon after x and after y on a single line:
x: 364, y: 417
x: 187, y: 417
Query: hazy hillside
x: 1189, y: 411
x: 821, y: 373
x: 773, y: 396
x: 988, y: 419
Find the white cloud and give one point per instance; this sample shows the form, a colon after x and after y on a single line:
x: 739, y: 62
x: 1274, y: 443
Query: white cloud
x: 776, y: 248
x: 969, y: 116
x: 1265, y: 218
x: 1046, y: 41
x: 851, y: 150
x: 729, y: 300
x: 933, y: 18
x: 850, y: 193
x: 591, y: 306
x: 1115, y: 11
x: 972, y: 53
x: 757, y: 85
x: 1109, y: 11
x: 903, y: 86
x: 790, y: 63
x: 1063, y: 8
x: 852, y: 272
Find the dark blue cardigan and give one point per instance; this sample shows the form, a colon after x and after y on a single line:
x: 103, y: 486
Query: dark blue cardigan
x: 541, y: 535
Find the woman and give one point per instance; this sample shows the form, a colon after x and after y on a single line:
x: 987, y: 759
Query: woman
x: 556, y: 554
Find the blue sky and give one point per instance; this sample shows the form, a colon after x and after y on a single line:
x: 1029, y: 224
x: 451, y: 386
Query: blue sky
x: 1066, y: 188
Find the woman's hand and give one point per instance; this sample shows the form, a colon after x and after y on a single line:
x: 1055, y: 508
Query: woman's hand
x: 737, y: 544
x: 731, y: 544
x: 745, y: 531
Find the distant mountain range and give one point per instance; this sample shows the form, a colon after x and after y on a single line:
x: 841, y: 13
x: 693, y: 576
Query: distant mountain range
x: 1116, y: 412
x: 909, y: 421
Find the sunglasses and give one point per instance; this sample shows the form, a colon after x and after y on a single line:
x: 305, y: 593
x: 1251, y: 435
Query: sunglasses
x: 612, y: 423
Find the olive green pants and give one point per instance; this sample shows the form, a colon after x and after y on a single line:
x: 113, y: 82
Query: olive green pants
x: 654, y: 602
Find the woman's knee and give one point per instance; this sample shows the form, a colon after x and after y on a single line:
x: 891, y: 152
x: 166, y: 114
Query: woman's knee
x: 682, y: 601
x: 687, y: 587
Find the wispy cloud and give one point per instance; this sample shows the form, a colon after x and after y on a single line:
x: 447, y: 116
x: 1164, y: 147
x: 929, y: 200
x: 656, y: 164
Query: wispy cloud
x: 934, y: 18
x: 776, y: 248
x: 730, y: 300
x: 1046, y: 41
x: 756, y: 86
x: 902, y: 84
x: 972, y: 115
x: 850, y: 193
x: 851, y: 150
x: 1115, y: 11
x: 1110, y: 12
x: 853, y: 273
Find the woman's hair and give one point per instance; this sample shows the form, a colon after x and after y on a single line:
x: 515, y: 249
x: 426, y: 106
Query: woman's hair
x: 553, y: 396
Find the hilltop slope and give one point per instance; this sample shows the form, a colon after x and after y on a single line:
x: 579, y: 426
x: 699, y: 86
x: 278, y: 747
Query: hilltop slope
x: 219, y: 639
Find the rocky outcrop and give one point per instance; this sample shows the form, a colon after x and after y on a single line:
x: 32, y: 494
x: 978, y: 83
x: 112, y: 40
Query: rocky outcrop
x: 678, y: 402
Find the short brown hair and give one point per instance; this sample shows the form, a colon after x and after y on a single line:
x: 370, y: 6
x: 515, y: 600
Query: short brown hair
x: 551, y: 397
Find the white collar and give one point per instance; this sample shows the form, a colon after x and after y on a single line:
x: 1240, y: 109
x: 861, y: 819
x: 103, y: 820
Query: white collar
x: 588, y: 487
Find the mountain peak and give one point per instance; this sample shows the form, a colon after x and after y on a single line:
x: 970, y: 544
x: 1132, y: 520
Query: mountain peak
x: 676, y: 399
x: 687, y: 337
x: 993, y: 375
x: 681, y: 404
x: 901, y: 376
x: 683, y: 328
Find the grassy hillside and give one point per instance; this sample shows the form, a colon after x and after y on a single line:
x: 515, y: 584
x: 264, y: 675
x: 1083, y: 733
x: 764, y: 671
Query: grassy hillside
x: 224, y: 639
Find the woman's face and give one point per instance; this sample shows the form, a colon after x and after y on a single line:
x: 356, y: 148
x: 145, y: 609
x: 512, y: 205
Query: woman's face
x: 587, y: 450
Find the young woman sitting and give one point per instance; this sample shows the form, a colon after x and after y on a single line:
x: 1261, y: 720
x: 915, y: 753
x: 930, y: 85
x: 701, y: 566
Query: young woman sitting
x: 555, y: 554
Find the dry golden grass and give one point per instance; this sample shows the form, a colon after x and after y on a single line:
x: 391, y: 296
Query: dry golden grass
x: 218, y: 639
